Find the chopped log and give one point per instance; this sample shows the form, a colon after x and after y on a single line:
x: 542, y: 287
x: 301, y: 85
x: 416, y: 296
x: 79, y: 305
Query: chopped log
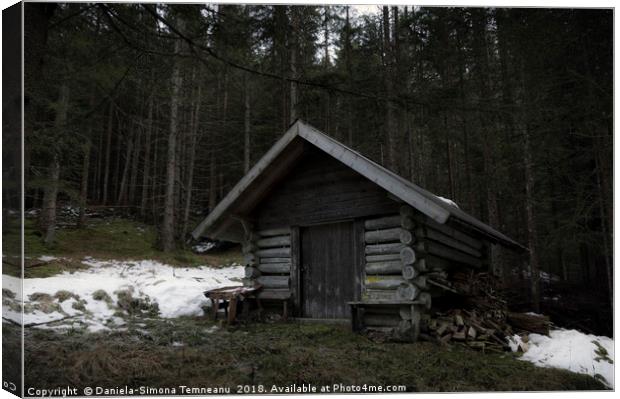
x: 274, y: 252
x: 407, y: 223
x: 409, y: 272
x: 534, y: 323
x: 251, y: 272
x: 446, y: 252
x: 273, y: 281
x: 407, y: 256
x: 459, y: 335
x: 275, y: 241
x: 380, y: 249
x: 279, y: 294
x: 425, y: 232
x: 407, y: 292
x: 382, y: 223
x: 275, y: 232
x: 379, y: 236
x: 406, y: 237
x: 274, y: 267
x: 381, y: 320
x: 274, y: 260
x: 390, y: 267
x: 383, y: 282
x: 383, y: 258
x: 471, y: 333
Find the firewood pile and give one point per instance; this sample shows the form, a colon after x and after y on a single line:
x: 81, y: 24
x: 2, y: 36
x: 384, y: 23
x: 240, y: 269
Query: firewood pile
x: 482, y: 320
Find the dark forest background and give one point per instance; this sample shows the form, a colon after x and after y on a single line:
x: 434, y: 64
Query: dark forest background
x: 160, y: 109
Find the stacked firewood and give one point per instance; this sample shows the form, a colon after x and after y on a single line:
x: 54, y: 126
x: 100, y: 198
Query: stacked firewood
x: 468, y: 327
x: 483, y: 322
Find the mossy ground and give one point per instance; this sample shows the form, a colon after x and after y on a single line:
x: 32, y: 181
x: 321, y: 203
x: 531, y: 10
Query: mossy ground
x: 111, y: 238
x: 148, y: 353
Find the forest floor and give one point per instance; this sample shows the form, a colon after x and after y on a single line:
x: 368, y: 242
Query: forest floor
x: 174, y: 344
x: 155, y: 352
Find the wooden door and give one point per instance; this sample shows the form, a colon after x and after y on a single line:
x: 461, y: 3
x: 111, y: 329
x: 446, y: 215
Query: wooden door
x: 329, y: 278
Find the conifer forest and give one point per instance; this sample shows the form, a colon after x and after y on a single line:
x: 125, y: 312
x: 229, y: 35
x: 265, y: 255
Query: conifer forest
x: 157, y: 110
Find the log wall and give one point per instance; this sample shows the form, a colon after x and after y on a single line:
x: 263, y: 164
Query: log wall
x: 407, y: 258
x: 268, y: 262
x: 321, y: 189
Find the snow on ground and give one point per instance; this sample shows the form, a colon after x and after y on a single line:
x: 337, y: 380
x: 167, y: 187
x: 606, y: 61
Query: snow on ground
x: 571, y: 350
x: 94, y: 295
x: 203, y: 247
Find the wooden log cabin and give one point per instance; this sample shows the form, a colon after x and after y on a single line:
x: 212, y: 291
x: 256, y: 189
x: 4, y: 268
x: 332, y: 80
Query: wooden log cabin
x: 337, y: 236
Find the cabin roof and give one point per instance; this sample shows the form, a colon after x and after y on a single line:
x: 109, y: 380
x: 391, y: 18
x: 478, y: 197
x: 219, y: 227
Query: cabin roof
x: 225, y: 221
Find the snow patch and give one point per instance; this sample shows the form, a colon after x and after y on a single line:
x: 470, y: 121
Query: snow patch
x: 94, y: 299
x: 571, y: 350
x: 448, y: 201
x: 203, y: 247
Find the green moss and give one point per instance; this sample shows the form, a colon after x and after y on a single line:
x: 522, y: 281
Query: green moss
x: 133, y: 306
x: 101, y: 295
x: 63, y: 295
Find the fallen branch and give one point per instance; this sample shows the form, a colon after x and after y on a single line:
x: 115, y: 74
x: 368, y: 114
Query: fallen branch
x: 11, y: 321
x: 48, y: 322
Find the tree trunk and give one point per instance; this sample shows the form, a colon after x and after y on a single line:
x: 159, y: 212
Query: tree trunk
x: 147, y: 159
x: 390, y: 128
x: 108, y: 149
x: 349, y: 69
x: 212, y: 181
x: 294, y: 44
x: 86, y: 169
x: 167, y: 228
x: 191, y: 161
x: 134, y: 166
x: 84, y: 184
x: 531, y: 221
x: 48, y: 212
x: 122, y: 192
x: 246, y: 124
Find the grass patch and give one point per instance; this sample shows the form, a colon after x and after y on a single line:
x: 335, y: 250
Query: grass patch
x: 114, y: 238
x: 168, y: 353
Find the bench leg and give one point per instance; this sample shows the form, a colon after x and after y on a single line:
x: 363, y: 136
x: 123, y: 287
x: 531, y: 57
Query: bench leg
x: 356, y: 319
x: 215, y: 304
x: 232, y: 312
x: 285, y: 310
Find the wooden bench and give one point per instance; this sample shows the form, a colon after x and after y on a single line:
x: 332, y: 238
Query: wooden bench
x: 230, y: 296
x: 358, y: 308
